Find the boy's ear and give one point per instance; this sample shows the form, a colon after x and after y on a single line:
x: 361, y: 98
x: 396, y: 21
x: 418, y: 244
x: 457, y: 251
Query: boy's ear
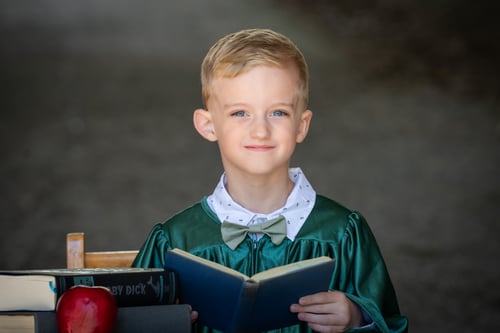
x: 305, y: 121
x: 202, y: 120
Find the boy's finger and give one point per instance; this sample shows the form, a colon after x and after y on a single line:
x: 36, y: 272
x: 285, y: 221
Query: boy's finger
x: 320, y: 298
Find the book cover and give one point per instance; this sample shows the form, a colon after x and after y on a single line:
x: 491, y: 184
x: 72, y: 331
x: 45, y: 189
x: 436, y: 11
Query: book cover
x: 38, y: 290
x: 175, y: 318
x: 152, y: 319
x: 233, y: 302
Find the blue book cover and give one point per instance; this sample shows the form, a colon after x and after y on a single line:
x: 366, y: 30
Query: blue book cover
x: 233, y: 302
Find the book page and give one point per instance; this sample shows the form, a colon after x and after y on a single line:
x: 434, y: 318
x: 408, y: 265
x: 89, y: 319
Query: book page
x: 285, y: 269
x: 17, y: 323
x: 39, y: 289
x: 79, y: 271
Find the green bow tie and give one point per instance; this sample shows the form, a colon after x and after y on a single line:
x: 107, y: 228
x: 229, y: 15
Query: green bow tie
x: 233, y: 234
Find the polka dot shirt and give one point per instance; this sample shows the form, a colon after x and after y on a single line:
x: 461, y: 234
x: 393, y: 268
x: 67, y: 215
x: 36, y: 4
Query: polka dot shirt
x: 297, y: 208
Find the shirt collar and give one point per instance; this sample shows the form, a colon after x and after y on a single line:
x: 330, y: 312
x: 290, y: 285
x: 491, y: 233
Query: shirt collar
x: 297, y: 208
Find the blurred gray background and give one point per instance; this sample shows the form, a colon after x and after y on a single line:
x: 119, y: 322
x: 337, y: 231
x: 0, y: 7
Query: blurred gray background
x: 96, y: 134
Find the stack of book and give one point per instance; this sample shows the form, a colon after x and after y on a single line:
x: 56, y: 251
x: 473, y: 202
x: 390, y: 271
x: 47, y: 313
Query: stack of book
x: 145, y: 297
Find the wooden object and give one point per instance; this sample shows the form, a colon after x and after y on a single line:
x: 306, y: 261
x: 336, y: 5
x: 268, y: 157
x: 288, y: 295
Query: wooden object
x: 76, y: 257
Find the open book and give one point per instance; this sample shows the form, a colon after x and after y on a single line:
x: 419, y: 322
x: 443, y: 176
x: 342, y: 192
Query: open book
x: 233, y: 302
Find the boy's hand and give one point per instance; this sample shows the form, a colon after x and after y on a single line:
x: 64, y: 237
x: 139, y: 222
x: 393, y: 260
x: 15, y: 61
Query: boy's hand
x: 193, y: 314
x: 329, y: 311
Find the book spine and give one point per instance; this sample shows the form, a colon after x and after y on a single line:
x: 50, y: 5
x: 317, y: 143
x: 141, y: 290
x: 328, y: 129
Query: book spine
x: 129, y: 289
x: 242, y: 321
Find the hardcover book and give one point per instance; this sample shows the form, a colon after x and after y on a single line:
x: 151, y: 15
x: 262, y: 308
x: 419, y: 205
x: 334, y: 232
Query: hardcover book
x: 39, y: 290
x: 233, y: 302
x: 152, y: 319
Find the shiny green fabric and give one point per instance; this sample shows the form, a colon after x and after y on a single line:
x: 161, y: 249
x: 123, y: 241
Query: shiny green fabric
x: 330, y: 230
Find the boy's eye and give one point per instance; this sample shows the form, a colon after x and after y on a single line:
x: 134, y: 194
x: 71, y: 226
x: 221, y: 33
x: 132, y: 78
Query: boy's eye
x: 279, y: 113
x: 238, y: 114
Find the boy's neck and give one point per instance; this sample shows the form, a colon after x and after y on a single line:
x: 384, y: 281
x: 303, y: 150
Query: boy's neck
x: 260, y: 194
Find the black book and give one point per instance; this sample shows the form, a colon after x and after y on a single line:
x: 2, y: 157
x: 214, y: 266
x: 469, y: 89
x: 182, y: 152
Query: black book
x: 174, y: 318
x: 152, y: 319
x: 39, y: 290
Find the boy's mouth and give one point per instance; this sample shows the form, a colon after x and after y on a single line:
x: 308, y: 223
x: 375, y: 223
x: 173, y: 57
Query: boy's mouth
x: 259, y: 147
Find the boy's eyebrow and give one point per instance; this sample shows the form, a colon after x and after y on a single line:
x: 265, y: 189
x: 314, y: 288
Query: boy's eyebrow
x: 286, y: 105
x: 277, y: 104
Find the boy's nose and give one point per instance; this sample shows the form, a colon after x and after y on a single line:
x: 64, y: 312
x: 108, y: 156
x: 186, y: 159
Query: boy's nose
x: 260, y: 128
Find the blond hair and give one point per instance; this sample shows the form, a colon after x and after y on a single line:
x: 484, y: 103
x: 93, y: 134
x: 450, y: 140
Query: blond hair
x: 236, y: 53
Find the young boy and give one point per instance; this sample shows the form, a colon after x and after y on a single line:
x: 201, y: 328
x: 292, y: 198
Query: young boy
x: 255, y: 94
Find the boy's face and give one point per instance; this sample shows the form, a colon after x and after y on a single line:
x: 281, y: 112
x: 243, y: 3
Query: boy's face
x: 257, y: 119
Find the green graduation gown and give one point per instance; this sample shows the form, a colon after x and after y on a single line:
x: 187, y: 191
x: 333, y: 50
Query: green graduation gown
x: 330, y: 230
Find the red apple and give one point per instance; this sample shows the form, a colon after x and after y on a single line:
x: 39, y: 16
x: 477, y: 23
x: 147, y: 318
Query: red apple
x: 85, y: 309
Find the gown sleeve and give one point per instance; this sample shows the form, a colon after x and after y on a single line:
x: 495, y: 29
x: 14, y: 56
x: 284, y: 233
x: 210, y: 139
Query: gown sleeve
x: 152, y: 252
x: 366, y: 279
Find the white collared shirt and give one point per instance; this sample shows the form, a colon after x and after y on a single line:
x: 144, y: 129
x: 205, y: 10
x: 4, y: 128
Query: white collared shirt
x: 297, y: 208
